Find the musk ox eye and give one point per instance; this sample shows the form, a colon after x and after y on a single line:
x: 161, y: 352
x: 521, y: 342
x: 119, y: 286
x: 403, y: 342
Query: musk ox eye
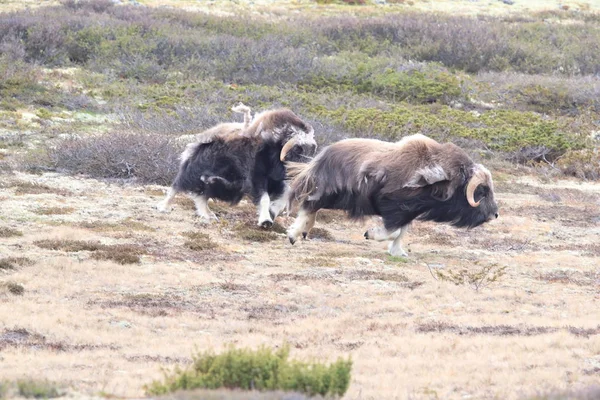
x: 481, y: 193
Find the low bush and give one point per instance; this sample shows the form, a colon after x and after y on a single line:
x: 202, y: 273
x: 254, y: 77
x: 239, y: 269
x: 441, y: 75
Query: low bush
x: 13, y: 288
x: 148, y: 158
x: 504, y: 131
x: 6, y: 232
x: 38, y: 389
x: 262, y: 369
x: 583, y: 164
x: 199, y: 241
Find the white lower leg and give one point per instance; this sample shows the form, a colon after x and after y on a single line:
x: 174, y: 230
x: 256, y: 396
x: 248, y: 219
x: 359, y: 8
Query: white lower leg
x: 395, y: 248
x: 299, y: 225
x: 379, y: 234
x: 308, y: 225
x: 278, y: 205
x: 202, y: 209
x: 264, y: 217
x: 163, y: 206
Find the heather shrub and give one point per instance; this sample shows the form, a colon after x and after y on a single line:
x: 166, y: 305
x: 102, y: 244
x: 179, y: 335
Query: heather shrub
x: 149, y: 158
x: 583, y: 164
x: 498, y: 130
x: 262, y: 369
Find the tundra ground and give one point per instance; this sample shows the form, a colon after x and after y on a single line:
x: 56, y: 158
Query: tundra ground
x: 94, y: 325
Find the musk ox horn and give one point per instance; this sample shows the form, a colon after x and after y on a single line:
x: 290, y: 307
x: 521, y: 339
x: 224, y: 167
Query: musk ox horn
x: 287, y: 147
x: 477, y: 179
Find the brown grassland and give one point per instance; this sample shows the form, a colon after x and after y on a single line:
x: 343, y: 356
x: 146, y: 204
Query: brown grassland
x: 98, y: 325
x: 99, y: 291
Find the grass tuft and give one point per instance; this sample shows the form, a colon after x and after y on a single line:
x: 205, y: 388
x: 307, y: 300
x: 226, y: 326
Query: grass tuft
x: 54, y: 210
x: 12, y: 262
x: 37, y: 389
x: 6, y: 232
x: 68, y: 245
x: 12, y: 288
x: 249, y: 231
x: 199, y: 241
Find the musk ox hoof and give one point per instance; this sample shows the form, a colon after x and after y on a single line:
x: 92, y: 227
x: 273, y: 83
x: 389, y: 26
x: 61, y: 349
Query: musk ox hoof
x: 397, y: 251
x: 366, y: 235
x: 162, y: 207
x: 292, y: 240
x: 207, y: 219
x: 304, y: 235
x: 266, y: 224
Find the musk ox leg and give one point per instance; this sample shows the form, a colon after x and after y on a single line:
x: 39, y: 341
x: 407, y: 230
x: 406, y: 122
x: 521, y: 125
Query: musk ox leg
x: 310, y: 222
x: 202, y: 209
x: 381, y: 234
x: 277, y: 206
x: 264, y: 216
x: 302, y: 225
x: 163, y: 206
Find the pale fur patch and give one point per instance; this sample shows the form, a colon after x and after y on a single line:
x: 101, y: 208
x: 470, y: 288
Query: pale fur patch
x: 427, y: 176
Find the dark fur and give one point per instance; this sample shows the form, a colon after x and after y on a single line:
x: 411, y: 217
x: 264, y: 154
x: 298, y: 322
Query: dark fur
x: 231, y: 166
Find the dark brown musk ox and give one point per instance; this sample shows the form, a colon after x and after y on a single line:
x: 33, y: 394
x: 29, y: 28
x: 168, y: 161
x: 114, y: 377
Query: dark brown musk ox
x: 414, y: 178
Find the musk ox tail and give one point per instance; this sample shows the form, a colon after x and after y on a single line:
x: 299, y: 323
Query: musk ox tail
x: 302, y: 182
x: 243, y: 109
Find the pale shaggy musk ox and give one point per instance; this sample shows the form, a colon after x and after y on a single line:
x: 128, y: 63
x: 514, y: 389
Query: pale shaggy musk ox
x: 227, y: 163
x: 414, y: 178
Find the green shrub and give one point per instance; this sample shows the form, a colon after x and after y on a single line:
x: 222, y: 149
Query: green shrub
x: 37, y: 389
x: 262, y: 369
x: 505, y: 131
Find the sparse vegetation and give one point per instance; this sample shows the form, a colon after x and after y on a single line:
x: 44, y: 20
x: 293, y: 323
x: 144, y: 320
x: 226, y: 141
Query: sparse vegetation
x: 23, y: 188
x: 120, y: 253
x: 262, y: 369
x: 498, y: 89
x: 114, y: 91
x: 7, y: 263
x: 68, y: 245
x: 477, y: 279
x: 54, y: 210
x: 6, y: 232
x: 123, y: 225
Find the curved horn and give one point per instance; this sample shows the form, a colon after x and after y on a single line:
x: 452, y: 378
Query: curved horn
x: 477, y: 179
x: 287, y: 147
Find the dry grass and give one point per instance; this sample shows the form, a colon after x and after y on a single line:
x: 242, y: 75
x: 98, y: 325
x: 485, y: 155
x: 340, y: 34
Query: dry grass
x: 26, y: 187
x: 119, y: 253
x: 123, y: 225
x: 68, y: 245
x: 409, y: 335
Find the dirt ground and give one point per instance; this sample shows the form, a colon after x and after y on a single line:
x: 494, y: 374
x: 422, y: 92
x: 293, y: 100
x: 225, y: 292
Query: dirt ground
x: 415, y: 328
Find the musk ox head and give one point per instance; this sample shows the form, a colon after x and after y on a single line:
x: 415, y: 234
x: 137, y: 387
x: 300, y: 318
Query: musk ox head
x: 299, y: 148
x: 468, y: 201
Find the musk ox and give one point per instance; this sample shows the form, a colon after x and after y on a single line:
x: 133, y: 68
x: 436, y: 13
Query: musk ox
x: 233, y: 159
x: 414, y: 178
